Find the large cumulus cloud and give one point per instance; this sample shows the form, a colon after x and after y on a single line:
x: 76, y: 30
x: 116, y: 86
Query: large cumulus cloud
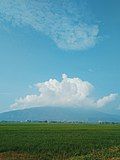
x: 72, y: 92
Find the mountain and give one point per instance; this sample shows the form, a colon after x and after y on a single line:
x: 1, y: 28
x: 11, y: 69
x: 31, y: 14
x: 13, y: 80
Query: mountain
x: 58, y: 114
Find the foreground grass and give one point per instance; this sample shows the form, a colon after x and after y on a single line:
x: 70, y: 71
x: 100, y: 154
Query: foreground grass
x: 59, y: 142
x: 106, y: 154
x: 112, y: 153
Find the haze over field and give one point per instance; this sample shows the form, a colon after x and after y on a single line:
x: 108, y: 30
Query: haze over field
x: 62, y: 53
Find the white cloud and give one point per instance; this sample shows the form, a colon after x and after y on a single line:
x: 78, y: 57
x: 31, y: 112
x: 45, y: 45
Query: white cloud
x: 72, y: 92
x: 107, y: 99
x: 67, y: 22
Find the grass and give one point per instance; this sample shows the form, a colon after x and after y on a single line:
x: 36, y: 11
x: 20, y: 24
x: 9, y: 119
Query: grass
x: 35, y: 141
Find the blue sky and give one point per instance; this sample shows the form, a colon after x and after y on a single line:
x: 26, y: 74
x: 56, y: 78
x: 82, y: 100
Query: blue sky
x: 36, y: 46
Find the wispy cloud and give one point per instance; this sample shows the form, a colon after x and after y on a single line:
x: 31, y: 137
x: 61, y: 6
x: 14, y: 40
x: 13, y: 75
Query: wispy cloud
x: 66, y: 22
x: 67, y: 92
x: 105, y: 100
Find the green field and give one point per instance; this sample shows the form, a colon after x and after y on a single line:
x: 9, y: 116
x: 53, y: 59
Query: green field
x: 35, y: 141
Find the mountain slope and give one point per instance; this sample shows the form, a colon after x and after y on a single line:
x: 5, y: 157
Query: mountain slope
x: 58, y: 114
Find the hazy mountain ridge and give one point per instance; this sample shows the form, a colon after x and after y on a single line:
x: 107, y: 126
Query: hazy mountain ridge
x: 58, y: 114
